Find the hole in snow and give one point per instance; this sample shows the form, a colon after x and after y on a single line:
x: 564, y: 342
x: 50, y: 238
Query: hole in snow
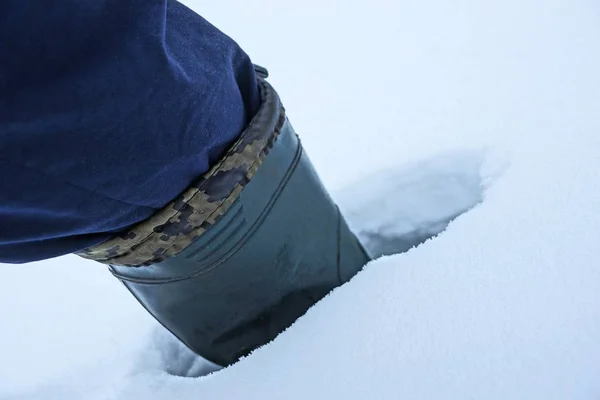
x: 399, y: 208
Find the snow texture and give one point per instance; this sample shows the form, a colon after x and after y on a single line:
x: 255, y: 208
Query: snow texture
x: 473, y: 123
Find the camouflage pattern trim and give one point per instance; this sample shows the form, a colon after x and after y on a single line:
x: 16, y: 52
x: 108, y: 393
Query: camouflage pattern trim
x: 192, y: 213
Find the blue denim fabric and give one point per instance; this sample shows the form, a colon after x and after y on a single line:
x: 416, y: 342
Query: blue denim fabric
x: 108, y: 110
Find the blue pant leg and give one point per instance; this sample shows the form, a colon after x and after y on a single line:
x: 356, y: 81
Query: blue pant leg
x: 108, y: 110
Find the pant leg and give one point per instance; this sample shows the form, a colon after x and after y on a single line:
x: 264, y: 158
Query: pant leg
x: 108, y: 111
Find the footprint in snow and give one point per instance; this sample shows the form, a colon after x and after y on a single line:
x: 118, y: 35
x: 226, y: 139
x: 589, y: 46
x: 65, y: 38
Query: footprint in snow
x: 396, y: 209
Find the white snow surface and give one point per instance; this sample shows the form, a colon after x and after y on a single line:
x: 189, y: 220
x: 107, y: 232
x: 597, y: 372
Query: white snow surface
x: 412, y: 112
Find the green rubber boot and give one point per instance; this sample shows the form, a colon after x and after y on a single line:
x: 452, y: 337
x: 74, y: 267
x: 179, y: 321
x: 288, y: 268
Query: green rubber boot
x: 278, y: 246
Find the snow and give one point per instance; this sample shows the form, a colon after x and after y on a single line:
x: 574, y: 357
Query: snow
x: 413, y: 113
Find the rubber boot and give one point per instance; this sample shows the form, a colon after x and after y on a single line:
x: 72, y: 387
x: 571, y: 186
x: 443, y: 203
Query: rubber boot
x: 280, y: 247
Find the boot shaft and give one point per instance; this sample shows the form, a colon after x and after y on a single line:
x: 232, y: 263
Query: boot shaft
x: 270, y: 244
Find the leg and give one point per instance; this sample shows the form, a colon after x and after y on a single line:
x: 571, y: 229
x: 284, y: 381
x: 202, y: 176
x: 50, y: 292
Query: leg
x: 144, y: 140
